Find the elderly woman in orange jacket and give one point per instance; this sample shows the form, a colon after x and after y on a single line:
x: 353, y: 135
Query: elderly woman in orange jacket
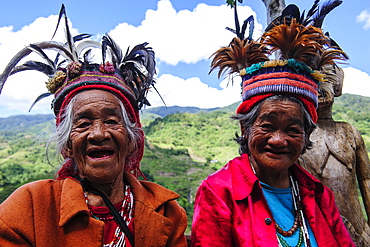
x: 96, y: 198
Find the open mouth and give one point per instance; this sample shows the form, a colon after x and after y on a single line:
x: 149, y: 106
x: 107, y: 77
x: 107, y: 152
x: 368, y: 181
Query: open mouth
x: 97, y: 154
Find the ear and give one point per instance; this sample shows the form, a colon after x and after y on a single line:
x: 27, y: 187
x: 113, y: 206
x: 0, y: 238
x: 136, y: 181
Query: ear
x: 307, y: 136
x: 307, y: 139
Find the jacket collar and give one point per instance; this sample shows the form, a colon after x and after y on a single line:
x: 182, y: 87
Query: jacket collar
x: 72, y: 201
x: 243, y: 177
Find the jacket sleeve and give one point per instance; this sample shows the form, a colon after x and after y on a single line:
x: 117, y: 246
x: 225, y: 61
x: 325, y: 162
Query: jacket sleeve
x: 212, y: 220
x: 10, y: 238
x: 14, y: 216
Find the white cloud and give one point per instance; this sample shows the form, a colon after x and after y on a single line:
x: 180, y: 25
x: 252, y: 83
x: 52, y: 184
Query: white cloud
x: 192, y: 92
x: 21, y: 89
x: 356, y: 82
x: 184, y: 36
x: 364, y: 16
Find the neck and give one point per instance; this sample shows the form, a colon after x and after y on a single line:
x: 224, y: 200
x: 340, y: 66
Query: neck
x: 114, y: 191
x: 277, y: 179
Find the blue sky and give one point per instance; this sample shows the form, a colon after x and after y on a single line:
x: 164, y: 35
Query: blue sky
x: 182, y: 33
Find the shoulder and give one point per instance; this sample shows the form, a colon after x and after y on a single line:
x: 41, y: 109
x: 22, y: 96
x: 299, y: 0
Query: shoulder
x: 30, y: 190
x: 31, y: 197
x: 35, y: 192
x: 235, y: 180
x: 226, y: 173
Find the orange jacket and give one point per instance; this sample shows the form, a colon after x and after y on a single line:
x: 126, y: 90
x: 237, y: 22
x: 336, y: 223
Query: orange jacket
x: 54, y: 213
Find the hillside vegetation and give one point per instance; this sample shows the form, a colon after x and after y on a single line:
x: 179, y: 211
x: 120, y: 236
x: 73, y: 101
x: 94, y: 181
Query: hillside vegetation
x: 183, y: 145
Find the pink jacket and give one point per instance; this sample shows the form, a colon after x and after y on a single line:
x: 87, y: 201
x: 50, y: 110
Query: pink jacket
x: 230, y: 210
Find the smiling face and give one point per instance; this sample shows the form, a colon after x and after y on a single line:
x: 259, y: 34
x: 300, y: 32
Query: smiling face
x: 277, y: 137
x: 99, y: 142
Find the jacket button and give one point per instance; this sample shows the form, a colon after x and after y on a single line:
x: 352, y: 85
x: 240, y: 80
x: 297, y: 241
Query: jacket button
x: 268, y: 221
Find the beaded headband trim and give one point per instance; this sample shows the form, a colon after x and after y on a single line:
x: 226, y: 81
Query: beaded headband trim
x: 292, y: 63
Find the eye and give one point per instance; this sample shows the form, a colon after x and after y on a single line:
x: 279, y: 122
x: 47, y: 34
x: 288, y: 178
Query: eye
x: 295, y: 131
x: 267, y: 127
x: 111, y: 121
x: 82, y: 125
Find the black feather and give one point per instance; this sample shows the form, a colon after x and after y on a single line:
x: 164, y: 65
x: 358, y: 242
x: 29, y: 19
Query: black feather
x: 290, y: 12
x: 236, y: 19
x: 328, y: 6
x: 231, y: 30
x: 35, y: 65
x: 44, y: 95
x: 310, y: 13
x: 69, y: 37
x: 62, y: 11
x: 39, y: 51
x: 87, y: 56
x: 138, y: 67
x: 108, y: 42
x: 250, y: 21
x: 80, y: 37
x: 334, y: 44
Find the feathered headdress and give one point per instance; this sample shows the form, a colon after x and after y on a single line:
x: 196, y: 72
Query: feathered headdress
x: 300, y: 49
x: 129, y: 76
x: 136, y: 67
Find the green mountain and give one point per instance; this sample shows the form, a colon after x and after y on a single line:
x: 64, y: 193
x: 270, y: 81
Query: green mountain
x: 20, y: 122
x: 183, y: 145
x: 163, y: 111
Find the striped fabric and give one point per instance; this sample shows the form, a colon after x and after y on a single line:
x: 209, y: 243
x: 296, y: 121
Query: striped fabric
x: 265, y: 82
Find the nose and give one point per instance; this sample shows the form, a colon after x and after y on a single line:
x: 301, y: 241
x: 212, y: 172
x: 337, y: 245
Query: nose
x: 98, y: 133
x: 278, y: 139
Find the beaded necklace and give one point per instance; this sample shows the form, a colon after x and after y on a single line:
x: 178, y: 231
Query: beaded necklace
x: 299, y: 221
x: 126, y: 212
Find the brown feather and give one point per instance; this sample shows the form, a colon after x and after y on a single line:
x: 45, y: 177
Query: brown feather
x: 329, y: 56
x: 238, y: 55
x: 296, y: 41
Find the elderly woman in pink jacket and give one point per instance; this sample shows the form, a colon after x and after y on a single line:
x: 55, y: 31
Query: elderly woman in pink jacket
x: 262, y: 198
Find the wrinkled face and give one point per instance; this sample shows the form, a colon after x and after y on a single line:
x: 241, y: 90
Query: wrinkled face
x: 99, y: 140
x: 277, y: 137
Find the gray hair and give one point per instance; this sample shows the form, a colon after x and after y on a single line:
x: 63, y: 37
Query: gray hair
x: 246, y: 121
x: 61, y: 137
